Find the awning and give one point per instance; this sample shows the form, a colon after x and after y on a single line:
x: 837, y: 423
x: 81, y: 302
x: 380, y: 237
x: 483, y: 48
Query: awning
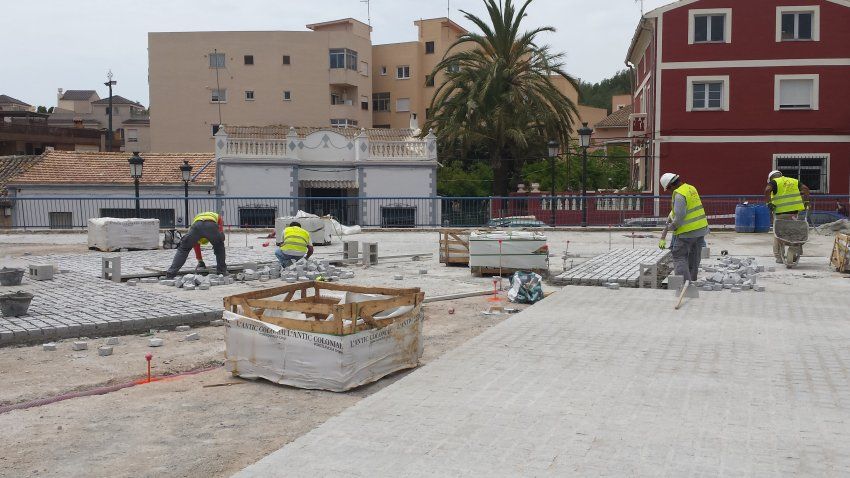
x: 328, y: 183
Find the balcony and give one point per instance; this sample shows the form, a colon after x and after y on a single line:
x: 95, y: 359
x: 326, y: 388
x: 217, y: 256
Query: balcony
x: 345, y: 77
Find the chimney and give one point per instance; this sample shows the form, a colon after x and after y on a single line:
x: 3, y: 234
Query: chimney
x: 414, y: 124
x: 58, y: 95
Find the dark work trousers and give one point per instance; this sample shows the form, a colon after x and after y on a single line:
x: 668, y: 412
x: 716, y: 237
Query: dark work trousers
x: 687, y: 254
x: 200, y: 230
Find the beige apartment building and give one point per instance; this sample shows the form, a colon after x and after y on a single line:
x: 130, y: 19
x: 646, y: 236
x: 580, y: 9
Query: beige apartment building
x: 331, y: 75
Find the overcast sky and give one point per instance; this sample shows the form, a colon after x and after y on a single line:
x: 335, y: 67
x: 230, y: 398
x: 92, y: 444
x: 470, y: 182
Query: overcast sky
x: 71, y: 44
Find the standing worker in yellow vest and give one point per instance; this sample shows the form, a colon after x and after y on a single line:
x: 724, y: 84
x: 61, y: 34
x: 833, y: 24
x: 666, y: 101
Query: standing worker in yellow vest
x: 689, y: 225
x: 296, y: 244
x: 785, y: 197
x: 206, y: 227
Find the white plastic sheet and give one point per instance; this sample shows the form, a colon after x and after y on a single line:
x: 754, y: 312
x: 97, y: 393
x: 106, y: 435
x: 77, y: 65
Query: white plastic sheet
x: 111, y: 234
x: 256, y: 349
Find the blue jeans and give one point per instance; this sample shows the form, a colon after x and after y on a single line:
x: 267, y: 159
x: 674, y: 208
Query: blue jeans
x: 286, y: 259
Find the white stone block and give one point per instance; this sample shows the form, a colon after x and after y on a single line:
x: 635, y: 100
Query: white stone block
x: 193, y: 336
x: 49, y: 347
x: 156, y: 342
x: 104, y: 350
x: 80, y: 346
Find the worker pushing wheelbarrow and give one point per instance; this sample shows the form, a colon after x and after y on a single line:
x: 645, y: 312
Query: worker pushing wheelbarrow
x: 789, y: 200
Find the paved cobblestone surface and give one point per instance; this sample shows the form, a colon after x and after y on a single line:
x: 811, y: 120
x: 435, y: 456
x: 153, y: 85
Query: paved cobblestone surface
x: 592, y: 382
x: 76, y: 305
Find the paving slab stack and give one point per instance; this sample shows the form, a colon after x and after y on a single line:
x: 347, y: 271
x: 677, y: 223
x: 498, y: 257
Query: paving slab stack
x: 619, y: 266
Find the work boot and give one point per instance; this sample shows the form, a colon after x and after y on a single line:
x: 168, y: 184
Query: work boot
x: 170, y: 275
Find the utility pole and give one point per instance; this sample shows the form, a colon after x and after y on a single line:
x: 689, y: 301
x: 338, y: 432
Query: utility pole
x: 368, y: 12
x: 109, y: 83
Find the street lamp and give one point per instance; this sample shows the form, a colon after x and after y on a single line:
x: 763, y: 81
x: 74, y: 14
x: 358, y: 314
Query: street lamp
x: 109, y: 83
x: 136, y: 163
x: 553, y: 153
x: 186, y: 173
x: 584, y: 134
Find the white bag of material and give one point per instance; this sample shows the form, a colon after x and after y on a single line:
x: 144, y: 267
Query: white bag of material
x: 320, y: 234
x: 519, y: 250
x: 111, y: 234
x: 256, y: 349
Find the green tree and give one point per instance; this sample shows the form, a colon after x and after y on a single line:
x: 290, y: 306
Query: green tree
x: 44, y: 109
x: 599, y: 94
x: 498, y: 95
x: 605, y: 170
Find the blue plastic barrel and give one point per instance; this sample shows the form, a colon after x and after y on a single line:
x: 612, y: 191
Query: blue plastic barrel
x: 745, y: 218
x: 762, y: 218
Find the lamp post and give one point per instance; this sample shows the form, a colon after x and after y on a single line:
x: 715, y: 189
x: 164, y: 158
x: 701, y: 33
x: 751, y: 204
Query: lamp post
x: 109, y: 83
x: 553, y: 153
x: 186, y: 173
x: 136, y: 163
x: 584, y: 134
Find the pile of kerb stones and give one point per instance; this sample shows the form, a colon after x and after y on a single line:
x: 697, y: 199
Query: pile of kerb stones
x: 733, y: 273
x: 307, y: 269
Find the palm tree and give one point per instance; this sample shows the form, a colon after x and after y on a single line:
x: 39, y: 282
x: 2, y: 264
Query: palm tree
x: 498, y: 92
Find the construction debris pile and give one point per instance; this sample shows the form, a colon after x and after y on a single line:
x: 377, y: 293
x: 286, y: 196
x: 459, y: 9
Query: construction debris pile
x: 307, y: 269
x: 732, y: 273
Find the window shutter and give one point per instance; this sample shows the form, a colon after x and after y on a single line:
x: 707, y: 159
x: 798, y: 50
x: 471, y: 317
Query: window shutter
x: 402, y: 104
x: 795, y: 93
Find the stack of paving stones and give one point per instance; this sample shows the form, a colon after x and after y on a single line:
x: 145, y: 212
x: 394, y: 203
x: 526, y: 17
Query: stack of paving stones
x: 308, y: 269
x: 732, y: 273
x: 620, y: 267
x: 78, y: 304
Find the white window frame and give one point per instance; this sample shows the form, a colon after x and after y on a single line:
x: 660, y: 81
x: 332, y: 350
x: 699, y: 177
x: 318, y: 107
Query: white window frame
x: 815, y: 103
x: 826, y: 165
x: 252, y: 98
x: 132, y: 135
x: 727, y: 25
x: 219, y: 100
x: 287, y: 95
x: 213, y: 60
x: 400, y: 68
x: 383, y: 70
x: 813, y: 9
x: 400, y: 109
x: 724, y: 101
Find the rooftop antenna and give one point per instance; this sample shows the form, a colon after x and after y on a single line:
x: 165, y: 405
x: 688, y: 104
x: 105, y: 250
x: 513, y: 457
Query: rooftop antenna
x: 449, y: 9
x: 368, y: 12
x: 641, y: 6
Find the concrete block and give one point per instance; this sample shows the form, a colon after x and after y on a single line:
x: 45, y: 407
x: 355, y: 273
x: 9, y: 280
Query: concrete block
x: 217, y: 323
x: 112, y: 341
x: 736, y: 289
x: 758, y: 288
x: 205, y: 286
x: 183, y: 328
x: 613, y: 286
x: 156, y: 342
x: 264, y: 278
x: 104, y: 350
x: 110, y: 268
x: 398, y: 277
x: 193, y: 336
x: 80, y: 345
x: 41, y: 272
x: 132, y: 282
x: 189, y: 286
x: 675, y: 282
x: 49, y: 347
x: 168, y: 282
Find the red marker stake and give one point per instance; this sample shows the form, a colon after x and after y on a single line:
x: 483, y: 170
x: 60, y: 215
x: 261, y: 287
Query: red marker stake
x: 148, y: 357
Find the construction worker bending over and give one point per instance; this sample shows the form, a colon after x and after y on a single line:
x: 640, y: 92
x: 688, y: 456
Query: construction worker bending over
x: 785, y: 197
x: 207, y: 227
x: 689, y: 225
x: 296, y: 244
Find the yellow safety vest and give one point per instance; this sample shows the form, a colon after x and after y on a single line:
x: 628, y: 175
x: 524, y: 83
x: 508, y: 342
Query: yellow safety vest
x: 787, y: 198
x: 695, y: 214
x: 206, y: 216
x: 295, y: 239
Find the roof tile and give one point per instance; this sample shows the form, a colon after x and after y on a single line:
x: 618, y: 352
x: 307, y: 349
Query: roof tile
x: 617, y: 119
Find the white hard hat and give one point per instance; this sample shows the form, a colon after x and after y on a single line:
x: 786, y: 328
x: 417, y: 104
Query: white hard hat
x: 667, y: 179
x: 773, y: 174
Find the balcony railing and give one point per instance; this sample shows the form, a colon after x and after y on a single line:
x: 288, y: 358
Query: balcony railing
x: 397, y: 149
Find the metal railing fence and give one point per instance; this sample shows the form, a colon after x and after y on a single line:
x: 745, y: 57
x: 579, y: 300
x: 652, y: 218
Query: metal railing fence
x: 385, y: 212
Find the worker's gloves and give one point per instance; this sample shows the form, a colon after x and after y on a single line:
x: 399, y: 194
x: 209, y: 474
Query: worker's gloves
x: 662, y: 244
x: 201, y: 265
x: 771, y: 206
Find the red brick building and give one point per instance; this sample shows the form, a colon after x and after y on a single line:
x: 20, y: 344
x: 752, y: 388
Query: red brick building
x: 727, y: 90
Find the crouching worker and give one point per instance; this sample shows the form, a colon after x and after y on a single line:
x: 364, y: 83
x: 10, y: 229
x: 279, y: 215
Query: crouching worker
x: 296, y: 244
x: 207, y: 227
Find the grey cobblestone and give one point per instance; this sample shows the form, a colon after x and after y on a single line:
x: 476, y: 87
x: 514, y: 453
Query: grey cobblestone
x: 587, y: 384
x: 76, y: 304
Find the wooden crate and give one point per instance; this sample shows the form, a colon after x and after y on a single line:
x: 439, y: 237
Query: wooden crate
x: 454, y: 247
x: 307, y: 298
x: 841, y: 253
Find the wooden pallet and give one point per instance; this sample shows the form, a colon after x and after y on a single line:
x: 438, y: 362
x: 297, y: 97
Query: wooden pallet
x: 620, y: 266
x: 481, y: 271
x: 454, y: 247
x: 318, y: 307
x: 840, y: 259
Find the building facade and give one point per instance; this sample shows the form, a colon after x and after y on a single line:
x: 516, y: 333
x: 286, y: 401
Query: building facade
x: 331, y: 75
x: 85, y: 109
x: 727, y: 91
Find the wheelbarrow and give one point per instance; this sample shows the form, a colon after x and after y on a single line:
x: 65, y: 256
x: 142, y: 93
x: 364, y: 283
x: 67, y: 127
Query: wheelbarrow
x: 791, y: 234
